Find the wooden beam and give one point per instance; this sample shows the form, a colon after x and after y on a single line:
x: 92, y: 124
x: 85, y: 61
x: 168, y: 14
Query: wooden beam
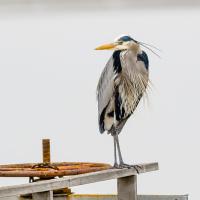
x: 43, y: 195
x: 114, y: 197
x: 106, y: 197
x: 75, y: 180
x: 127, y: 188
x: 162, y: 197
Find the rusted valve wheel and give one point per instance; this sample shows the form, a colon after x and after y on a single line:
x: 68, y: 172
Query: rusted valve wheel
x: 57, y: 169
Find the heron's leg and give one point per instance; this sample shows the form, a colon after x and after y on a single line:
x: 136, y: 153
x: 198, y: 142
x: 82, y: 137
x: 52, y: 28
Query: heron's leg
x: 119, y: 150
x: 121, y: 162
x: 115, y: 153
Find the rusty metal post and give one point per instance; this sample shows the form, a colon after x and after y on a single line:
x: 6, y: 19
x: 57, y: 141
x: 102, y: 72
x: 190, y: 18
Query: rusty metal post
x: 46, y: 150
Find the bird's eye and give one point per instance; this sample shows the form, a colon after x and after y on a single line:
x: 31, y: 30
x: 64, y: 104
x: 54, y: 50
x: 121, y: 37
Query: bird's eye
x: 120, y: 42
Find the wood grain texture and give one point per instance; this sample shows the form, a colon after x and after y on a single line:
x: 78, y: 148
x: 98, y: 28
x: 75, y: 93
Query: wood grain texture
x: 75, y: 180
x: 43, y: 195
x: 107, y: 197
x: 127, y: 188
x: 114, y: 197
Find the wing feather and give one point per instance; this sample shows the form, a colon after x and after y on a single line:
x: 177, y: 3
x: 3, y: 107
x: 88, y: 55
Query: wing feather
x: 105, y: 87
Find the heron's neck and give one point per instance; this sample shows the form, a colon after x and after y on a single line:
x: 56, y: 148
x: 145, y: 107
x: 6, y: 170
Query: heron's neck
x: 135, y: 49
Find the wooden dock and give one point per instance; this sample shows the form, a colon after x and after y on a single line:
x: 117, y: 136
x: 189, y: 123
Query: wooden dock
x: 126, y: 186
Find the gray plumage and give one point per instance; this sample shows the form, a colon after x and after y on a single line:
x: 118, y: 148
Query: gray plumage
x: 122, y: 84
x: 130, y: 83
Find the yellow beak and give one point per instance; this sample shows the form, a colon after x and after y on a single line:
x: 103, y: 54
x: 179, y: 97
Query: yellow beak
x: 106, y: 46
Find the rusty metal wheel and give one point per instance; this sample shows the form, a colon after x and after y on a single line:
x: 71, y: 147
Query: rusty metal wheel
x: 48, y: 169
x: 53, y: 170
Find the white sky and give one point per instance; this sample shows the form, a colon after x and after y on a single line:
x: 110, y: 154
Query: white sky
x: 48, y: 77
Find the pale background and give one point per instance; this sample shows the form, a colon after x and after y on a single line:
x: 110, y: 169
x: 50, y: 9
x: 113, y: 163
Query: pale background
x: 48, y: 77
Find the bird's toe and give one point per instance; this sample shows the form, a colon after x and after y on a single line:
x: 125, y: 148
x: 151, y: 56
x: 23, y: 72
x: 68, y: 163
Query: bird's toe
x: 116, y: 166
x: 136, y: 167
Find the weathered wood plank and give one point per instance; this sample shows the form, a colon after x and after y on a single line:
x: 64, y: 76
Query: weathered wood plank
x: 10, y: 198
x: 43, y: 195
x: 75, y: 180
x: 127, y: 188
x: 107, y: 197
x: 162, y: 197
x: 114, y: 197
x: 91, y: 197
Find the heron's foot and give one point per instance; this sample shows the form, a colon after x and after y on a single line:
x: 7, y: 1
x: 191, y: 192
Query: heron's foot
x: 136, y: 167
x: 124, y: 165
x: 115, y: 166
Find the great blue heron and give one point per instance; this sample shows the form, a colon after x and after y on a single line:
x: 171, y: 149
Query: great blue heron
x: 121, y: 86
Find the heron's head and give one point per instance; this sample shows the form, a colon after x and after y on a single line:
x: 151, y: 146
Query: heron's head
x: 124, y: 42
